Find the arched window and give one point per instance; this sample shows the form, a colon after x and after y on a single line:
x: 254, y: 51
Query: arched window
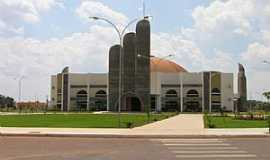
x: 192, y: 93
x: 192, y: 103
x: 171, y: 93
x: 82, y: 93
x: 215, y: 92
x: 171, y: 103
x: 101, y: 94
x: 101, y: 101
x: 82, y: 99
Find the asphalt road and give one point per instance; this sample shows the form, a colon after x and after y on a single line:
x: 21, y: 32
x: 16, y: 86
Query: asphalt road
x: 36, y: 148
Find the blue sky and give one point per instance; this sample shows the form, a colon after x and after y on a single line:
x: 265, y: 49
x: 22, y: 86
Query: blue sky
x: 39, y: 38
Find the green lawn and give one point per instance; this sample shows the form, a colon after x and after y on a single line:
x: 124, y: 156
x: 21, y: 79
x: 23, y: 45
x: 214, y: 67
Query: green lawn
x: 231, y: 122
x: 78, y: 120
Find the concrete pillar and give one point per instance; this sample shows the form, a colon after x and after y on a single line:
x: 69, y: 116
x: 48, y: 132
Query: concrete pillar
x: 158, y: 103
x: 203, y: 102
x: 182, y: 92
x: 88, y: 97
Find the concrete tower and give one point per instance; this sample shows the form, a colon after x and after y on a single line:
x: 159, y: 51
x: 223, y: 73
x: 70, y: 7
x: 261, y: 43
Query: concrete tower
x: 242, y: 89
x: 135, y: 74
x: 129, y: 69
x: 143, y: 41
x: 114, y: 77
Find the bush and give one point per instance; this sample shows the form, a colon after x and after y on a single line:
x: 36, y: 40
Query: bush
x: 252, y: 116
x: 212, y: 126
x: 129, y: 124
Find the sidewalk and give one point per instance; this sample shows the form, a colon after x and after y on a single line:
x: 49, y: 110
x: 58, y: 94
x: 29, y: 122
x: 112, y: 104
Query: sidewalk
x: 184, y: 125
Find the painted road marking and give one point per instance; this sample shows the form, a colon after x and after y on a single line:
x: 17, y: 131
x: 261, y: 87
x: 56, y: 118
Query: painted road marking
x: 218, y: 156
x: 206, y: 152
x: 189, y: 140
x: 202, y: 148
x: 196, y: 144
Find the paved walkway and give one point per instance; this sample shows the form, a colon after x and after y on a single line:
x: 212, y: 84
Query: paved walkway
x: 180, y: 125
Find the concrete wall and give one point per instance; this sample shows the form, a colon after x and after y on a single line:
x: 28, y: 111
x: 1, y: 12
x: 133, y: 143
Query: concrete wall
x: 160, y: 84
x: 53, y: 91
x: 227, y: 90
x: 92, y: 81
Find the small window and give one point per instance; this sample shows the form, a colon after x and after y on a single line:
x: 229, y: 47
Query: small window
x: 171, y: 93
x: 192, y: 93
x: 215, y: 92
x: 101, y: 94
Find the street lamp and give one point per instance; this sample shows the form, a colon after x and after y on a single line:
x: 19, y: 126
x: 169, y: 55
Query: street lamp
x: 120, y: 34
x: 20, y: 87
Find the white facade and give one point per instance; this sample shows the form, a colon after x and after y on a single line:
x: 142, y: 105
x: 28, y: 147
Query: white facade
x: 181, y: 91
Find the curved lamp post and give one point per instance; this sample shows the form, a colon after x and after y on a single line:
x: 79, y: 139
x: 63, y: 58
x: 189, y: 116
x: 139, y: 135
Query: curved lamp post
x: 120, y: 34
x: 20, y: 87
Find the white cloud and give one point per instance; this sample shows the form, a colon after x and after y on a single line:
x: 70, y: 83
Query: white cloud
x: 13, y: 12
x: 188, y: 54
x: 221, y: 24
x: 37, y: 60
x: 255, y: 55
x: 183, y: 50
x: 224, y: 15
x: 238, y: 16
x: 94, y: 8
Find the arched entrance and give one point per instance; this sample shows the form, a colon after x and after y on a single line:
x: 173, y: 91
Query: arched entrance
x: 133, y: 104
x: 192, y: 103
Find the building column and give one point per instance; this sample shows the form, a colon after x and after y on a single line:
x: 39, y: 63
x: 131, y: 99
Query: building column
x: 221, y: 90
x: 158, y: 103
x: 181, y: 96
x: 210, y: 93
x: 88, y: 97
x: 203, y: 103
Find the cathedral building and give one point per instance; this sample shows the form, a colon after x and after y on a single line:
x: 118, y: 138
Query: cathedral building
x: 146, y: 83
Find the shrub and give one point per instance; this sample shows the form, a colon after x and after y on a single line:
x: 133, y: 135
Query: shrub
x: 211, y: 126
x: 251, y: 115
x: 129, y: 124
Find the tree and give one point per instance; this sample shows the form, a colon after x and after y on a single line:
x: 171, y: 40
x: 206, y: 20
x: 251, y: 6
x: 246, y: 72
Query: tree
x: 267, y: 95
x: 6, y: 102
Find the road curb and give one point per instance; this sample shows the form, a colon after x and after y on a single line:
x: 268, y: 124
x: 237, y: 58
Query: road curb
x: 127, y: 136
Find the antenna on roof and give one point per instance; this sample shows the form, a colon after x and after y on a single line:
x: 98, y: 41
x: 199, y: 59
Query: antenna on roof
x: 144, y: 8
